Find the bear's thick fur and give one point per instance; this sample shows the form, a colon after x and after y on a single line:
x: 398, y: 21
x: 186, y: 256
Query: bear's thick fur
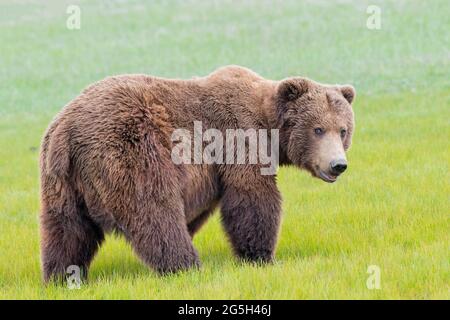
x: 106, y: 164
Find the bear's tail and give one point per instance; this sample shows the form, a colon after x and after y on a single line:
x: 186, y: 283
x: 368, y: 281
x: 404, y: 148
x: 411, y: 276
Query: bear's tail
x: 56, y: 151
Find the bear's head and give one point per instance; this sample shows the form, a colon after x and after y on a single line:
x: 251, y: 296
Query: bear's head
x: 316, y: 126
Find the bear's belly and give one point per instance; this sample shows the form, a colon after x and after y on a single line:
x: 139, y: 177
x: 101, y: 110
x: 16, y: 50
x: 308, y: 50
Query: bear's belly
x: 200, y: 190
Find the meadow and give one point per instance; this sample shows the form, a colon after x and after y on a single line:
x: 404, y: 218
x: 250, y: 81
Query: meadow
x: 390, y: 209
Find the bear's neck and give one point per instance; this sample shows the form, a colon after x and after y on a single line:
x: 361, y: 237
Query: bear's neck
x: 267, y: 97
x: 270, y: 114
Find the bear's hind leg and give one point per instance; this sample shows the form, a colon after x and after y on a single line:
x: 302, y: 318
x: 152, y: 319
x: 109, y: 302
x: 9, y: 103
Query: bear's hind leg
x: 160, y: 236
x: 69, y: 236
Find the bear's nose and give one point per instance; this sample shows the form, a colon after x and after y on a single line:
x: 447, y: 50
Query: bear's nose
x: 338, y: 166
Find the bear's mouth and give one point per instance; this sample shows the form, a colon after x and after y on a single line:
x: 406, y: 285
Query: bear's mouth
x: 327, y: 177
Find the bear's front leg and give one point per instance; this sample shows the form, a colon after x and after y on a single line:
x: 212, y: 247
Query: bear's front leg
x: 251, y: 213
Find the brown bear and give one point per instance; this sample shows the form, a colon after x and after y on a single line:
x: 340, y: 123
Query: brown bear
x: 106, y: 164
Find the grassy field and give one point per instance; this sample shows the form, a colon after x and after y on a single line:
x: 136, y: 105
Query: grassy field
x: 391, y: 209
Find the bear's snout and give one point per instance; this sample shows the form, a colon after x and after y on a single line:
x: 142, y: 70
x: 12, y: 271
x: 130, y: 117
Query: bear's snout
x: 338, y: 166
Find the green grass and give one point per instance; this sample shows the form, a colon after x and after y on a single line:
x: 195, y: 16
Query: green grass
x: 391, y: 208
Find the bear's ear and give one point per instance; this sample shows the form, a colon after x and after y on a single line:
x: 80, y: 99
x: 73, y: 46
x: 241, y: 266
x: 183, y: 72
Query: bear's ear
x: 348, y: 92
x: 292, y: 89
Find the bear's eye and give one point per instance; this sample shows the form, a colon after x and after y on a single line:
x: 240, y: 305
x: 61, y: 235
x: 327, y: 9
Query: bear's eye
x: 318, y: 131
x: 343, y: 133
